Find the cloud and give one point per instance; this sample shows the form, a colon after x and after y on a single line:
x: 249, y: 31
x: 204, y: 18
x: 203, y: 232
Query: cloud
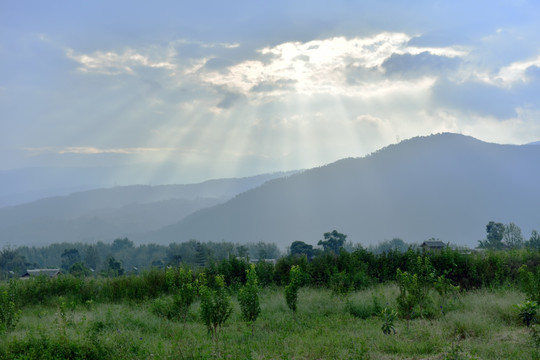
x: 515, y: 72
x: 474, y: 96
x: 337, y: 66
x: 422, y: 64
x: 276, y: 86
x: 89, y: 150
x: 228, y: 100
x: 114, y: 63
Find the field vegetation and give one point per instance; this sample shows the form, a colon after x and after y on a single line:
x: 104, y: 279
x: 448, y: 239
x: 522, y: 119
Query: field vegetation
x: 347, y: 305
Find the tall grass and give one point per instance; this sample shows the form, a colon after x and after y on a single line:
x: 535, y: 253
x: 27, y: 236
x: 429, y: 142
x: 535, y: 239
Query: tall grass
x: 482, y: 324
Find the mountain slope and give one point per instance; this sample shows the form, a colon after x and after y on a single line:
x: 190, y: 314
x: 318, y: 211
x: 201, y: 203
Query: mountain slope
x: 446, y: 186
x: 121, y: 211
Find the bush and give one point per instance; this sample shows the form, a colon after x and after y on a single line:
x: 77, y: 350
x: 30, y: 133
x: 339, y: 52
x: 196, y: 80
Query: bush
x: 164, y: 307
x: 527, y: 312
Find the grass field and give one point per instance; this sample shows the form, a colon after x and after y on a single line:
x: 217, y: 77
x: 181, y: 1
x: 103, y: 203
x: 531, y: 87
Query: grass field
x: 480, y: 324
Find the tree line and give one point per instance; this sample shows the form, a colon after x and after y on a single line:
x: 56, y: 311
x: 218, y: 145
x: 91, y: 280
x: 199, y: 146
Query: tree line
x: 122, y: 256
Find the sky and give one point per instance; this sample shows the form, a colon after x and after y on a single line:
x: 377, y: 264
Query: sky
x: 236, y: 88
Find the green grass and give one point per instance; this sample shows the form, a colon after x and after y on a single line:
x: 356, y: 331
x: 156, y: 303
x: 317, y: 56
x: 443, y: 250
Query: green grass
x: 480, y: 324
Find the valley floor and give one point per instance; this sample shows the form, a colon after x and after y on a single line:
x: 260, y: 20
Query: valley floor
x: 481, y: 324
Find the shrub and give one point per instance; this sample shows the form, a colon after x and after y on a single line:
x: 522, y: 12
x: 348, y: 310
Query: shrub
x: 530, y: 283
x: 165, y: 307
x: 527, y: 312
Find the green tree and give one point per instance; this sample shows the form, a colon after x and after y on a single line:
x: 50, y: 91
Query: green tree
x: 409, y: 293
x: 121, y: 244
x: 184, y: 289
x: 216, y: 306
x: 333, y: 241
x: 300, y: 247
x: 79, y: 269
x: 495, y: 233
x: 396, y: 244
x: 248, y: 297
x: 242, y: 252
x: 201, y: 255
x: 70, y: 257
x: 91, y: 257
x: 9, y: 313
x: 291, y: 290
x: 534, y: 241
x: 10, y: 260
x: 512, y: 237
x: 113, y: 267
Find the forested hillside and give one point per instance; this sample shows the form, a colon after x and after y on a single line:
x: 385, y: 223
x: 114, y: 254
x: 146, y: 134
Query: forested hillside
x: 446, y: 186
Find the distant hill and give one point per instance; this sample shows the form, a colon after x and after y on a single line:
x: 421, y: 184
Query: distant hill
x: 105, y: 214
x: 446, y: 186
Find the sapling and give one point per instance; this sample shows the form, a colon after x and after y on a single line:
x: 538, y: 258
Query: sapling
x: 248, y: 297
x: 409, y: 293
x: 9, y: 314
x: 291, y: 290
x: 388, y: 317
x: 184, y: 290
x: 444, y: 287
x: 216, y: 306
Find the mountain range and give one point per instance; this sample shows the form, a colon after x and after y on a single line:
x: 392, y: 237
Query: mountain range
x: 445, y: 186
x: 105, y: 214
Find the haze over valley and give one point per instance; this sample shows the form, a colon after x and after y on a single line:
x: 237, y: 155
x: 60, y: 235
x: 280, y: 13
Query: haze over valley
x: 445, y: 186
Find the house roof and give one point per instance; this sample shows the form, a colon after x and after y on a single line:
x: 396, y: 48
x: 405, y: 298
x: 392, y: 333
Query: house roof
x: 433, y: 244
x: 38, y: 272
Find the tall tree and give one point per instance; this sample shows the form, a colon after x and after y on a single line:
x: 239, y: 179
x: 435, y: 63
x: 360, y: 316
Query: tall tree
x: 534, y: 241
x: 512, y: 237
x: 70, y: 257
x: 10, y: 260
x: 495, y: 233
x: 113, y: 267
x: 91, y: 257
x: 300, y: 247
x: 333, y: 241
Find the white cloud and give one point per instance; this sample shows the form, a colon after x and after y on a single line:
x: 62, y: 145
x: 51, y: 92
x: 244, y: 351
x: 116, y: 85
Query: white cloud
x: 515, y: 72
x: 321, y: 66
x: 113, y: 63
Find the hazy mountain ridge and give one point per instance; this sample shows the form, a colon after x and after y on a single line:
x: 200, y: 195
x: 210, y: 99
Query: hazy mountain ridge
x: 446, y: 186
x: 104, y: 214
